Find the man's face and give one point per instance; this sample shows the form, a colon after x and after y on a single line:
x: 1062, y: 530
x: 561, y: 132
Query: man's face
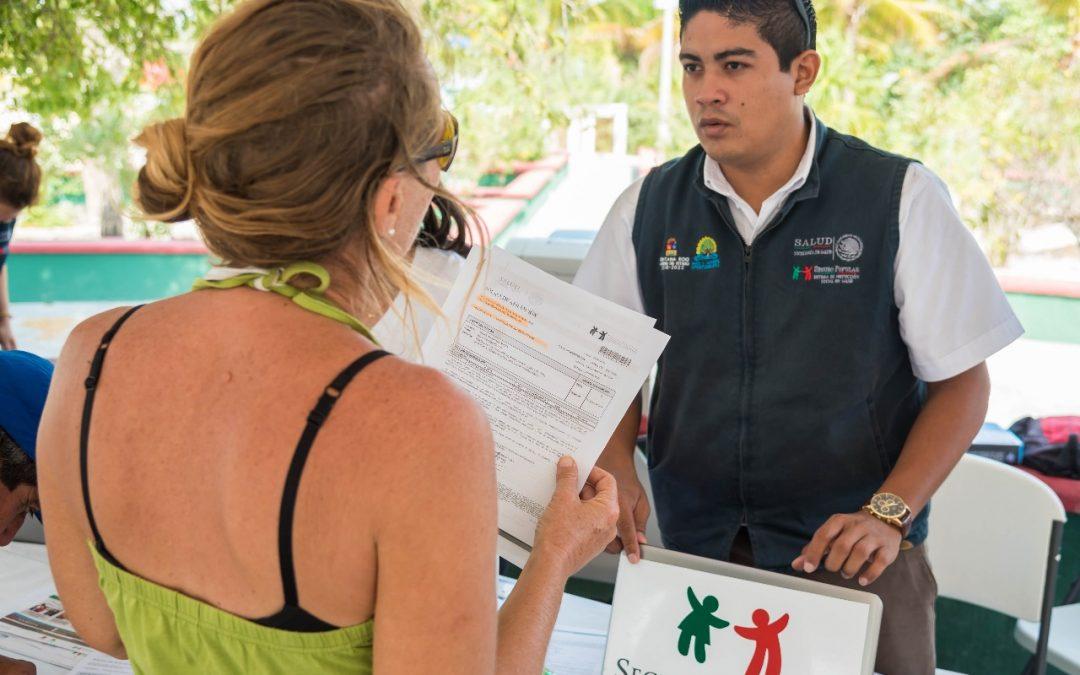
x: 14, y: 506
x: 736, y: 94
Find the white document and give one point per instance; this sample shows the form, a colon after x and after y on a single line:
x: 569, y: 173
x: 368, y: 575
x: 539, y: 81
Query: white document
x: 554, y: 368
x: 102, y: 664
x: 42, y: 634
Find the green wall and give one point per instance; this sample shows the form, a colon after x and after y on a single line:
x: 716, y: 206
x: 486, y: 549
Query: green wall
x: 97, y: 277
x: 1047, y: 317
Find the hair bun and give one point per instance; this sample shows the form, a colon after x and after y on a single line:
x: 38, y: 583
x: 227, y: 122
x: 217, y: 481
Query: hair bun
x: 24, y: 139
x: 164, y: 187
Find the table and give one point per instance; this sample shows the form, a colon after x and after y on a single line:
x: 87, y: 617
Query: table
x: 580, y: 635
x: 576, y: 648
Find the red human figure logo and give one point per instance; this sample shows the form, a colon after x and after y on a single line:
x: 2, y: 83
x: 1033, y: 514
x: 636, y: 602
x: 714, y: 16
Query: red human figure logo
x: 808, y: 273
x: 767, y: 637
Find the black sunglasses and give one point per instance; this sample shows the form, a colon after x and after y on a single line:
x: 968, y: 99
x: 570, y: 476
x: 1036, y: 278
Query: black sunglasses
x: 800, y: 9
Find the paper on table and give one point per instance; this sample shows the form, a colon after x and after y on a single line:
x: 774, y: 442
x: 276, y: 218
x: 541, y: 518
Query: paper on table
x: 102, y: 664
x: 580, y: 636
x: 554, y: 368
x: 575, y: 653
x: 42, y: 633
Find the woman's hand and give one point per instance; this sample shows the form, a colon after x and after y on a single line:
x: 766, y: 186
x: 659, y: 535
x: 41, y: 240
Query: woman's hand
x: 7, y: 337
x: 574, y: 530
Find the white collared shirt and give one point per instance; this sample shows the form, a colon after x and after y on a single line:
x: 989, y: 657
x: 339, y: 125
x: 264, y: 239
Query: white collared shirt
x: 747, y: 222
x: 953, y: 313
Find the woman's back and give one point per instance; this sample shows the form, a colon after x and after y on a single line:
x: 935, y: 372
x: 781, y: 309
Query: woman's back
x: 190, y: 442
x: 201, y: 428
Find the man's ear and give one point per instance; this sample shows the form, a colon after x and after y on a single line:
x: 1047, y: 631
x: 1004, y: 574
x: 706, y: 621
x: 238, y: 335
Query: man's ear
x: 388, y: 204
x: 805, y: 68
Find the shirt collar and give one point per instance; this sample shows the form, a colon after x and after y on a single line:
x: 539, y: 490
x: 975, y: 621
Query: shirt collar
x: 716, y: 181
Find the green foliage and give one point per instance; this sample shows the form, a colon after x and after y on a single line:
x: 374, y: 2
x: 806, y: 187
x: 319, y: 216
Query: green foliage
x: 514, y: 69
x: 991, y: 108
x: 985, y: 92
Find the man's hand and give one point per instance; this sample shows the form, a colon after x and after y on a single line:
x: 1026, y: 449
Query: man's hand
x: 633, y: 507
x: 847, y: 542
x: 13, y: 667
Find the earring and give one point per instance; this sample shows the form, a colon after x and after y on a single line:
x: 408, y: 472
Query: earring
x: 392, y: 231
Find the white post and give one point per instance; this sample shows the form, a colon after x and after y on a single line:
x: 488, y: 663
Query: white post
x: 663, y: 131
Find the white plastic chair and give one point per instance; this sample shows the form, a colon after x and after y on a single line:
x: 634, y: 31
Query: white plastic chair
x: 1063, y: 649
x: 995, y: 541
x: 604, y: 566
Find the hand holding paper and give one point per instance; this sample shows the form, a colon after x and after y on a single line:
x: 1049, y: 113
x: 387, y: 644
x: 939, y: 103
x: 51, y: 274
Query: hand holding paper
x: 574, y: 528
x: 554, y: 368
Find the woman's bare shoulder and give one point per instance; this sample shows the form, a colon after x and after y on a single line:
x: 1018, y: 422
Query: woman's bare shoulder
x: 424, y: 424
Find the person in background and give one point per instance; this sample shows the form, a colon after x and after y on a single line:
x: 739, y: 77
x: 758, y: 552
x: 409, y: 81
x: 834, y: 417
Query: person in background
x: 20, y: 180
x: 830, y: 318
x: 24, y: 384
x: 238, y: 479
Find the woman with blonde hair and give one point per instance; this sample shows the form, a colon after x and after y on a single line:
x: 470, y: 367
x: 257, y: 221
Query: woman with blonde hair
x: 20, y: 180
x: 238, y: 480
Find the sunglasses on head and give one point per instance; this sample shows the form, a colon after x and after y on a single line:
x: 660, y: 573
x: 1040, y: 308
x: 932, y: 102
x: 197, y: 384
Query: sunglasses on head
x: 446, y: 150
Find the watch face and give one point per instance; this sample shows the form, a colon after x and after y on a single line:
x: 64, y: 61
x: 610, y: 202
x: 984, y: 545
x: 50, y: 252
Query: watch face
x: 888, y: 505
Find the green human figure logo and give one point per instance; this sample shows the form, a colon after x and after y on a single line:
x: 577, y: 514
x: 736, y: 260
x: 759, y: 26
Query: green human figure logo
x: 698, y: 624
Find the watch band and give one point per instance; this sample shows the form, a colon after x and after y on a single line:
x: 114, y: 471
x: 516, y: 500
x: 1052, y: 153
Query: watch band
x: 901, y: 523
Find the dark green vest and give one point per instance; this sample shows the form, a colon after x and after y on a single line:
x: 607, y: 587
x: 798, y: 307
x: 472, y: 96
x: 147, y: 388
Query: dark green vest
x: 786, y: 393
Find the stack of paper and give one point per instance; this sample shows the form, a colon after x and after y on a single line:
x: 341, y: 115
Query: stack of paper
x: 554, y: 367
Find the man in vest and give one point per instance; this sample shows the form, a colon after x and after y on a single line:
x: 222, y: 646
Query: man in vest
x: 829, y: 316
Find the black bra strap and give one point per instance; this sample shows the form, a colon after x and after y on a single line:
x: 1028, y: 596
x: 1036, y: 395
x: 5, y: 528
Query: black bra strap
x: 84, y: 434
x: 315, y: 420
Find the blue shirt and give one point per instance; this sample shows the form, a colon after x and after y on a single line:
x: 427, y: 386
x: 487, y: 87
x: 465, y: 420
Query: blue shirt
x: 6, y: 229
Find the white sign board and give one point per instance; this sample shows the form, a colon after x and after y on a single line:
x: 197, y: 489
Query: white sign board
x: 674, y: 613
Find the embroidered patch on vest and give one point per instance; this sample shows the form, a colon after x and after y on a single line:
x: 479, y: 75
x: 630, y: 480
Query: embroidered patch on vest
x: 706, y: 258
x: 671, y: 261
x: 848, y: 247
x: 826, y: 275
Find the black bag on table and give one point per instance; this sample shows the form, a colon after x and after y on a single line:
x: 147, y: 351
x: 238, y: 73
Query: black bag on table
x: 1051, y: 444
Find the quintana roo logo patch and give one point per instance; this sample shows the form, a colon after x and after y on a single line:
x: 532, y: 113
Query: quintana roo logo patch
x: 849, y: 248
x: 706, y: 258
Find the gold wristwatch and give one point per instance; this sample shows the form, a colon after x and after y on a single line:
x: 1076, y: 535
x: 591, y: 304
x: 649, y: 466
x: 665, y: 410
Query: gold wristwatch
x: 891, y: 509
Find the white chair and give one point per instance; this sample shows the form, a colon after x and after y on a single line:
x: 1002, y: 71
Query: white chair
x: 604, y: 566
x: 995, y: 541
x: 1063, y: 648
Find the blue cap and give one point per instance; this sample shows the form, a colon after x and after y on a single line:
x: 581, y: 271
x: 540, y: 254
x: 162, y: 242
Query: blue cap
x: 24, y: 384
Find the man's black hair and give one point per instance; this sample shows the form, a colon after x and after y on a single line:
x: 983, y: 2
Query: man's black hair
x: 778, y: 22
x: 16, y: 467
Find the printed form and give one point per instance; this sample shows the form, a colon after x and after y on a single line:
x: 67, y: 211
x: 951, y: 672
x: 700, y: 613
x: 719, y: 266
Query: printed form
x: 554, y: 368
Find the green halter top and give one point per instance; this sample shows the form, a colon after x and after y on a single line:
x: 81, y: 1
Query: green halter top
x: 277, y: 281
x: 167, y: 632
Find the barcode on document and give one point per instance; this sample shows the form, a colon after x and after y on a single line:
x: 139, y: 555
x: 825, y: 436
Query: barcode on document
x: 615, y: 356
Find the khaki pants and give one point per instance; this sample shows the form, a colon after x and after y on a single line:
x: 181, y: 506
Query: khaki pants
x: 907, y: 589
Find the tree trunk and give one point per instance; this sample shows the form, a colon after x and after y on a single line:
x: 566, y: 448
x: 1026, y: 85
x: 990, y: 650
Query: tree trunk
x: 102, y: 187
